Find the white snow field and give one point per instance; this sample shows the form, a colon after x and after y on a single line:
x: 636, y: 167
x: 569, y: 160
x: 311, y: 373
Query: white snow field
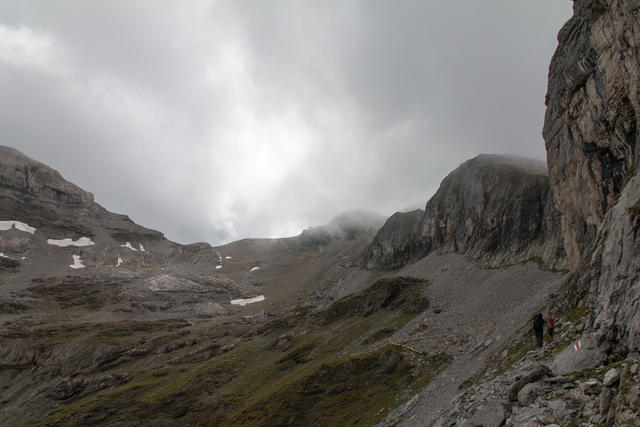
x: 77, y: 263
x: 218, y: 267
x: 8, y: 225
x: 243, y: 302
x: 63, y: 243
x: 228, y: 257
x: 128, y: 246
x: 119, y: 263
x: 254, y: 269
x: 142, y: 248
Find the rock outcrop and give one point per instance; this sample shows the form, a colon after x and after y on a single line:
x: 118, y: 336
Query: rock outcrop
x: 592, y: 138
x: 40, y: 196
x: 398, y: 242
x: 591, y: 124
x: 496, y: 209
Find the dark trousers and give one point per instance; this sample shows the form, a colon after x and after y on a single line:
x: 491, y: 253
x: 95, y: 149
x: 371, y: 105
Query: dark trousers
x: 539, y: 335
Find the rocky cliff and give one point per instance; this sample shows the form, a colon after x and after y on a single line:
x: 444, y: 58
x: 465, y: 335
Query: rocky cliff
x: 593, y: 106
x: 40, y: 196
x: 592, y: 137
x: 398, y: 242
x: 496, y: 209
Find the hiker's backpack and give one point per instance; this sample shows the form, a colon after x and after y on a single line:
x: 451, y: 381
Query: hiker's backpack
x: 550, y: 322
x: 538, y: 322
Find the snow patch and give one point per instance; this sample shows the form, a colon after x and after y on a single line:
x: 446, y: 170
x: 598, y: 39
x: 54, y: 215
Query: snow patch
x: 128, y: 246
x: 142, y: 248
x: 254, y: 269
x: 228, y: 257
x: 8, y: 225
x: 4, y: 256
x: 77, y: 263
x: 119, y: 263
x: 63, y: 243
x: 243, y: 302
x: 218, y: 267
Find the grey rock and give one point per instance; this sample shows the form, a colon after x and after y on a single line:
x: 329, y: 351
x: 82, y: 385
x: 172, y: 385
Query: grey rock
x: 490, y: 414
x: 398, y: 242
x: 527, y: 415
x: 592, y: 115
x: 535, y: 374
x: 559, y: 380
x: 588, y: 356
x: 634, y: 369
x: 442, y: 422
x: 611, y: 378
x: 8, y: 263
x: 605, y: 400
x: 591, y: 387
x: 529, y: 393
x: 591, y: 134
x: 558, y: 407
x: 496, y: 209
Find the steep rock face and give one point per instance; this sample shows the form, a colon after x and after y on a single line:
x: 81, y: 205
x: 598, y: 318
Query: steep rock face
x: 35, y: 194
x: 496, y: 209
x: 41, y: 197
x: 592, y: 136
x: 398, y: 242
x: 613, y: 271
x: 590, y: 128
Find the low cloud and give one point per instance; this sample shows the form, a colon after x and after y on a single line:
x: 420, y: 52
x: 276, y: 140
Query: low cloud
x: 218, y: 120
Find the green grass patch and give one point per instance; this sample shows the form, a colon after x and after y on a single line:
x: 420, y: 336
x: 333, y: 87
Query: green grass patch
x: 577, y: 315
x: 335, y: 374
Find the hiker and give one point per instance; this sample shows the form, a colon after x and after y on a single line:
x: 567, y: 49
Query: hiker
x: 550, y: 326
x: 538, y: 328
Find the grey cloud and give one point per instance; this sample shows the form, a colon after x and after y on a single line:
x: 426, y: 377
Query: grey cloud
x: 217, y: 120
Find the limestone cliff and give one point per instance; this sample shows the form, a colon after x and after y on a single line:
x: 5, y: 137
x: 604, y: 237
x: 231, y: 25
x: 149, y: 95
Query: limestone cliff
x: 38, y: 195
x: 590, y: 128
x: 592, y: 137
x: 496, y: 209
x: 398, y: 242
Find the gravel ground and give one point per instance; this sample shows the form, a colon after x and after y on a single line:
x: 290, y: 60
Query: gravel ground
x: 473, y: 313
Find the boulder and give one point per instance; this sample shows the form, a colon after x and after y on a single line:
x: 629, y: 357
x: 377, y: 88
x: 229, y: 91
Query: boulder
x: 611, y: 378
x: 529, y: 393
x: 533, y: 375
x: 586, y: 355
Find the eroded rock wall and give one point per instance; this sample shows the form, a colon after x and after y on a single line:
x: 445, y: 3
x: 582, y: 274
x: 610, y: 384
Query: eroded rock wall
x: 593, y: 106
x: 592, y: 138
x: 496, y: 209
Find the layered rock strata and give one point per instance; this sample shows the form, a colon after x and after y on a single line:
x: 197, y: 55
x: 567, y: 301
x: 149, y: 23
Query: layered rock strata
x: 496, y: 209
x: 592, y: 138
x: 591, y: 123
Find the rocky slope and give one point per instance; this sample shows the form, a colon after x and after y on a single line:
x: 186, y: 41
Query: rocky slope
x: 157, y: 333
x: 592, y: 136
x: 588, y: 374
x: 496, y: 209
x: 57, y: 243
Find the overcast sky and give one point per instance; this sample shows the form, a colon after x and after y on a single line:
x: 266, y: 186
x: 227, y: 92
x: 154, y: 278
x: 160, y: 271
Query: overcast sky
x: 219, y: 120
